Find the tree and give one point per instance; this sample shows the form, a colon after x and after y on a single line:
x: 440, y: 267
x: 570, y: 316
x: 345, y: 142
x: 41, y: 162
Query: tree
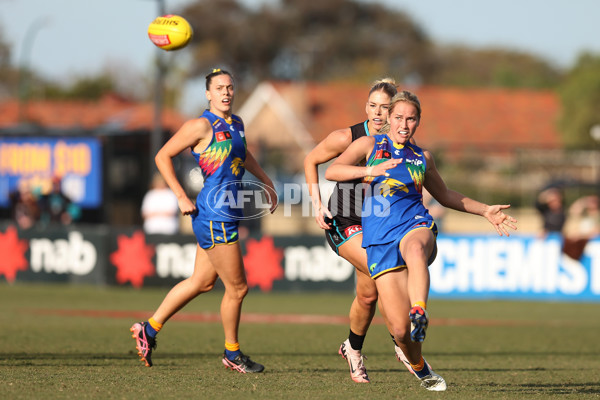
x: 8, y: 75
x: 580, y: 97
x: 84, y: 88
x: 328, y: 40
x: 308, y: 40
x: 462, y: 66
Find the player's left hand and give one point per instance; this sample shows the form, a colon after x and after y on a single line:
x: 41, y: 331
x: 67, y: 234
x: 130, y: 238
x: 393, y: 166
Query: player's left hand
x: 272, y: 198
x: 496, y: 216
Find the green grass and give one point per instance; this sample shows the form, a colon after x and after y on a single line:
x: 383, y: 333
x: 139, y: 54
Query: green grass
x: 506, y: 350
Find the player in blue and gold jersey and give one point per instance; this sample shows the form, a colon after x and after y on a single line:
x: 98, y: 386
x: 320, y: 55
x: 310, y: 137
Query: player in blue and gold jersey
x: 398, y: 232
x: 217, y: 141
x: 340, y: 219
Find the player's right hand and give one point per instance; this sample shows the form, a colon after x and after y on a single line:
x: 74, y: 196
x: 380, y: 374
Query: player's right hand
x: 186, y: 206
x: 381, y: 169
x: 323, y: 213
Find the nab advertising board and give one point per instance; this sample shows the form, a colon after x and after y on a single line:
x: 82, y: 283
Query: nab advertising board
x: 472, y: 267
x: 36, y: 161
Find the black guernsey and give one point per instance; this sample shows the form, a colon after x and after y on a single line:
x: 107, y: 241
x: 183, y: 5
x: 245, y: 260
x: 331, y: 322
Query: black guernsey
x: 343, y: 201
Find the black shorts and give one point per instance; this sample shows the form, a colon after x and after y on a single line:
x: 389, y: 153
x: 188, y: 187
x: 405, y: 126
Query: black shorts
x: 340, y: 232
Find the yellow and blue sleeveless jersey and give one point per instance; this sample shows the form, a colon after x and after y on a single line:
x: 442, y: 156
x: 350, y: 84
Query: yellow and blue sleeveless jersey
x: 394, y: 203
x: 222, y: 166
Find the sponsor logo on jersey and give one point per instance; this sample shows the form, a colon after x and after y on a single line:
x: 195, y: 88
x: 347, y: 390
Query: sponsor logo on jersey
x: 382, y: 154
x: 222, y: 136
x: 351, y: 230
x: 415, y: 162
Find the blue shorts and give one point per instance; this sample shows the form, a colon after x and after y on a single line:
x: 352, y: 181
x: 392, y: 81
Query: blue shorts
x: 212, y: 233
x: 383, y: 258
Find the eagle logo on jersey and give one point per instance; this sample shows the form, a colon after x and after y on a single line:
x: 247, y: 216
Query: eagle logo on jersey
x: 236, y: 166
x: 390, y: 186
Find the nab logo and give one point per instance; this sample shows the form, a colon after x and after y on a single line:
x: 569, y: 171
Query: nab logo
x: 222, y: 136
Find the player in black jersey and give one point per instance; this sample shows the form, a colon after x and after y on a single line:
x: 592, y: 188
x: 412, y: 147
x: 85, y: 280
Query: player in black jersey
x: 342, y: 222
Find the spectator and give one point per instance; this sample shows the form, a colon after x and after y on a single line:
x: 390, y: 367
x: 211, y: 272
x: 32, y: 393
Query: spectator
x: 24, y: 206
x: 576, y: 225
x: 551, y: 205
x: 160, y: 209
x: 585, y: 211
x: 56, y: 207
x: 583, y: 224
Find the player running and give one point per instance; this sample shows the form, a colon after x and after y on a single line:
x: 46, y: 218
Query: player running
x: 342, y: 223
x: 399, y: 234
x: 218, y: 144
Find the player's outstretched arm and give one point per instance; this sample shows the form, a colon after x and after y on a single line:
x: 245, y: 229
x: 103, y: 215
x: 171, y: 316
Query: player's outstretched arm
x: 458, y: 201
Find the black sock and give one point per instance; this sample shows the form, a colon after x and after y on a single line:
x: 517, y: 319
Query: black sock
x: 356, y: 341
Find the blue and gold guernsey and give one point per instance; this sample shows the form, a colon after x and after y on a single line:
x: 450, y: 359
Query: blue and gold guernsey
x: 222, y: 166
x: 393, y: 204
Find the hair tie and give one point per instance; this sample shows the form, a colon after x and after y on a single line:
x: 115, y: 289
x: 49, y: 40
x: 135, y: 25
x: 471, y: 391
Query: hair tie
x: 216, y: 70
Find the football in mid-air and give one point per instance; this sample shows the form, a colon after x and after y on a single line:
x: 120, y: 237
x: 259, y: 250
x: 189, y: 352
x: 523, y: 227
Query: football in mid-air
x: 170, y: 32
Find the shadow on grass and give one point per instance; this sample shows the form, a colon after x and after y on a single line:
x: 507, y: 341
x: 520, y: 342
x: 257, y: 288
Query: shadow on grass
x: 88, y: 359
x: 548, y: 388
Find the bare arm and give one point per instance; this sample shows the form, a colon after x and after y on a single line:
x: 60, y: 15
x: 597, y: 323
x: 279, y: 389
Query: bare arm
x: 191, y: 134
x: 255, y: 169
x: 329, y: 148
x: 344, y: 168
x: 457, y: 201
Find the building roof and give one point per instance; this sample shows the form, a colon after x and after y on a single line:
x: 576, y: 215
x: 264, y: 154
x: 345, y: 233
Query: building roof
x: 109, y: 114
x: 455, y: 119
x: 299, y: 115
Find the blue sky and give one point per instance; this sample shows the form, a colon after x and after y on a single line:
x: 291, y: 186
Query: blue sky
x: 77, y: 36
x: 74, y: 36
x: 59, y: 38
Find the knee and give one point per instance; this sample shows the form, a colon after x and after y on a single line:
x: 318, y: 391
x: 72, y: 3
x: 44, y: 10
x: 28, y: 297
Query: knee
x: 203, y: 286
x: 367, y: 298
x: 415, y: 251
x: 237, y: 292
x: 401, y: 333
x: 206, y: 287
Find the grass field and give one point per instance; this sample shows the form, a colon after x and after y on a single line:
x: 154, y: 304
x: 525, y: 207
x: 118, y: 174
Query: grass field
x: 60, y: 341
